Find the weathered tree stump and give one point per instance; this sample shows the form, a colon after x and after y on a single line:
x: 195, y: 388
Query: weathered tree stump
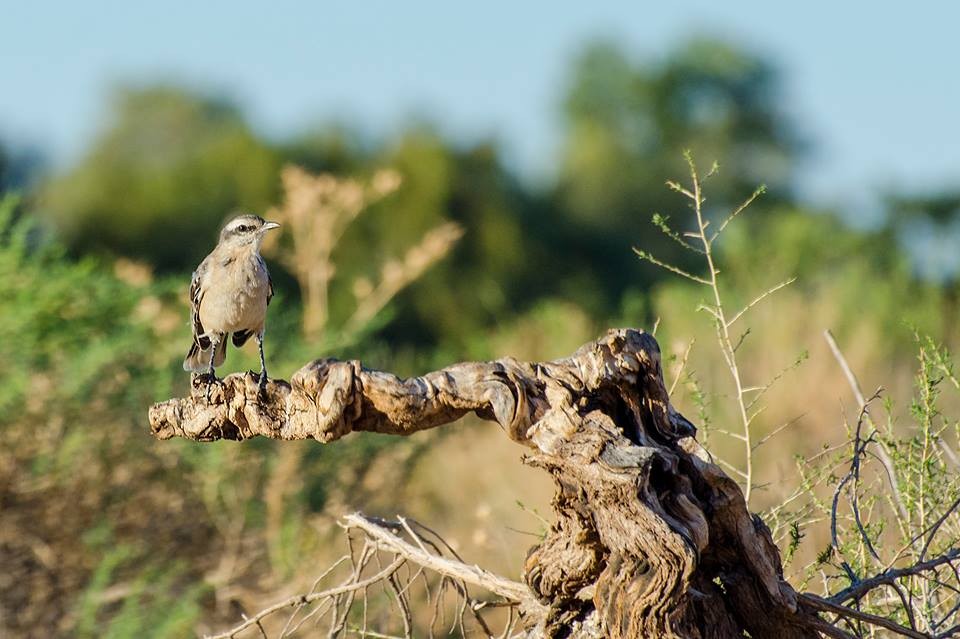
x: 651, y: 538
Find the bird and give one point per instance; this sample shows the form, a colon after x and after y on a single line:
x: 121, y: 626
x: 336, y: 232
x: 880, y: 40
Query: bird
x: 229, y: 294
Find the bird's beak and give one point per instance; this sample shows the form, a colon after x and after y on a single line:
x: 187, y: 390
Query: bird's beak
x: 269, y: 225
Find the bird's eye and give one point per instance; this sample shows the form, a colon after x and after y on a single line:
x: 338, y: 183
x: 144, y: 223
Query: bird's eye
x: 243, y: 228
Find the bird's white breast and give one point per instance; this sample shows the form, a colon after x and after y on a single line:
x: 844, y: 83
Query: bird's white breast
x: 235, y: 298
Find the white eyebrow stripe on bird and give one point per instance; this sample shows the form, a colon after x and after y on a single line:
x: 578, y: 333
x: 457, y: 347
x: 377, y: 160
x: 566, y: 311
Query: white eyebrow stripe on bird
x: 234, y: 225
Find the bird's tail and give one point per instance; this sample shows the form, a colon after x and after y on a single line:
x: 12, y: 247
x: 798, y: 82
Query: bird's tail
x: 198, y: 359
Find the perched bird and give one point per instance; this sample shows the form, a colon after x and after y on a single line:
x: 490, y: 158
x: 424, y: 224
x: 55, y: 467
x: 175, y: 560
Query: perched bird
x: 229, y: 293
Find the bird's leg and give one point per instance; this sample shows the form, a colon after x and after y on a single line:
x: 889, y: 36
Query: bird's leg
x: 214, y: 343
x: 263, y: 364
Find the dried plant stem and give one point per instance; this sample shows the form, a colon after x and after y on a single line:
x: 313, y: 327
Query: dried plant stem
x: 891, y: 576
x: 297, y: 600
x: 862, y: 407
x: 678, y: 374
x: 376, y: 529
x: 387, y: 538
x: 727, y: 346
x: 826, y: 605
x: 396, y: 276
x: 318, y: 210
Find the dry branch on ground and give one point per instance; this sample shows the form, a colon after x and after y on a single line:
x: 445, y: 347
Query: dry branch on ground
x: 651, y: 538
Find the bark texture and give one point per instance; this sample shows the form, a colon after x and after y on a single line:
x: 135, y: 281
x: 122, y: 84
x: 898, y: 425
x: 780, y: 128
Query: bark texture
x: 651, y: 539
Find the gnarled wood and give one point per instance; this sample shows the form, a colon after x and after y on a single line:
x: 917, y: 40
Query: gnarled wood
x: 651, y: 539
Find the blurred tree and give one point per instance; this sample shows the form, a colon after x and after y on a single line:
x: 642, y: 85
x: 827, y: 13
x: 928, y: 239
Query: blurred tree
x: 928, y: 227
x: 162, y: 177
x: 173, y: 164
x: 627, y: 124
x: 330, y: 148
x: 500, y: 267
x: 19, y: 168
x: 831, y: 262
x: 488, y: 276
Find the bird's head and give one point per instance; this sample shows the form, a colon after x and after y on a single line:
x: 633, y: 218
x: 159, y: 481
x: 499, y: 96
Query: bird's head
x: 246, y: 229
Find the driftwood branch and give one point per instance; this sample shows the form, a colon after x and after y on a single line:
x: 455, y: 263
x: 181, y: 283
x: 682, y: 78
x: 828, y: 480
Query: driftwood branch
x: 651, y: 538
x: 328, y: 398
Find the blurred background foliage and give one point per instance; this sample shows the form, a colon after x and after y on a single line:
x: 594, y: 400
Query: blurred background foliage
x: 106, y: 532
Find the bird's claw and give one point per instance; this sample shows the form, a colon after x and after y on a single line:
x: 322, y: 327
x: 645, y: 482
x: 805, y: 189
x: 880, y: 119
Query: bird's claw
x: 211, y: 381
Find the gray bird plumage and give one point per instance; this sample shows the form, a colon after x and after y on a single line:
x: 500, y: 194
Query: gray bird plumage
x: 229, y: 294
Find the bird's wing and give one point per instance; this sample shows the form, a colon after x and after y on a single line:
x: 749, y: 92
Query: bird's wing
x: 196, y: 296
x: 240, y: 337
x: 269, y: 288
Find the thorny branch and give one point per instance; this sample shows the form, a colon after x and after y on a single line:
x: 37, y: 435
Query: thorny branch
x: 861, y: 587
x: 922, y: 576
x: 862, y: 405
x: 703, y: 242
x: 852, y: 478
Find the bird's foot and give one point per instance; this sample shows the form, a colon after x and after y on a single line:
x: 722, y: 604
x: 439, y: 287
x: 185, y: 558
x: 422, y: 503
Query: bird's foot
x: 262, y: 383
x: 211, y: 379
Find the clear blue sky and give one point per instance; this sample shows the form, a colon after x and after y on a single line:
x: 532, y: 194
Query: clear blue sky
x: 875, y: 87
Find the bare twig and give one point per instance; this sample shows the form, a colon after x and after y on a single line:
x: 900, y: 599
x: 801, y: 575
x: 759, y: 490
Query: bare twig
x: 857, y: 590
x: 828, y: 606
x: 779, y: 429
x: 737, y: 211
x: 681, y: 366
x: 770, y: 291
x: 297, y: 600
x: 728, y: 345
x: 475, y: 575
x: 861, y: 403
x: 384, y: 537
x: 673, y: 269
x: 859, y: 448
